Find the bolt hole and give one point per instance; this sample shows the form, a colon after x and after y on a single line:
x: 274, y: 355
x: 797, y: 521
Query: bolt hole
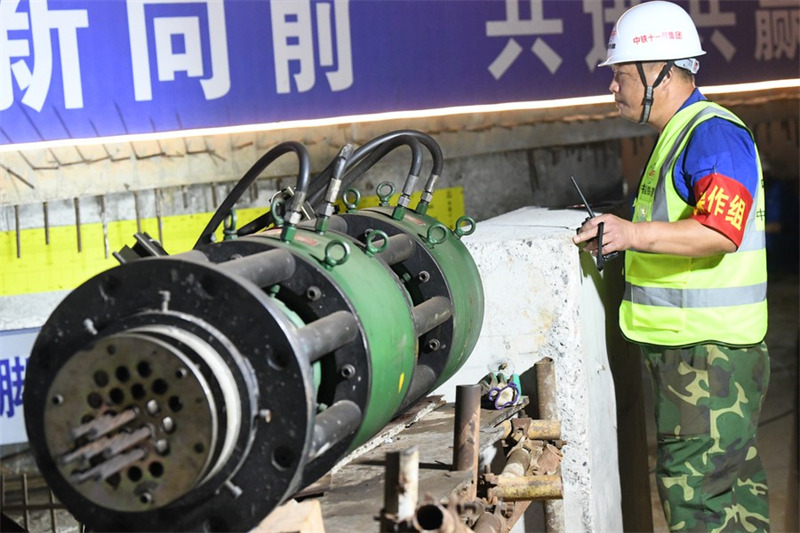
x: 100, y: 378
x: 160, y: 386
x: 156, y: 469
x: 111, y: 349
x: 144, y: 369
x: 424, y: 276
x: 181, y: 373
x: 94, y: 400
x: 134, y: 473
x: 283, y: 457
x: 175, y: 404
x: 348, y: 371
x: 58, y: 399
x: 123, y: 374
x: 313, y: 293
x: 198, y: 447
x: 138, y: 391
x: 208, y: 285
x: 279, y: 360
x: 116, y: 395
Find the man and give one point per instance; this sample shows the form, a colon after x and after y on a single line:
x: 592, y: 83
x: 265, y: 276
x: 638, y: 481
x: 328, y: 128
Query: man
x: 695, y: 275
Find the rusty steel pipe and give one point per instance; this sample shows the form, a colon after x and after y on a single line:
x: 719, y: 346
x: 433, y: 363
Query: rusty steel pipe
x: 433, y: 517
x: 548, y: 410
x: 466, y: 438
x: 489, y: 523
x: 527, y: 488
x: 546, y: 389
x: 467, y: 427
x: 545, y: 430
x: 537, y: 430
x: 401, y: 487
x: 517, y: 464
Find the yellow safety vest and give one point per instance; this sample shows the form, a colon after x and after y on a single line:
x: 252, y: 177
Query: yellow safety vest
x: 673, y: 300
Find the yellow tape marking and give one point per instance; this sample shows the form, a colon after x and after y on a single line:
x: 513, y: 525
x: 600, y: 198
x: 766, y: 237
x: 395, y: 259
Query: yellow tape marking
x: 59, y: 265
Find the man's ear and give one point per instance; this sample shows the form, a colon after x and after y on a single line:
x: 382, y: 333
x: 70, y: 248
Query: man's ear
x: 669, y: 76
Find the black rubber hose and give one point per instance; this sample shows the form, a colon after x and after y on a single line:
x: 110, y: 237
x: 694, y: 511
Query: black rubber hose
x: 321, y: 180
x: 250, y: 176
x: 352, y: 174
x: 398, y: 138
x: 425, y: 139
x: 258, y: 223
x: 357, y: 165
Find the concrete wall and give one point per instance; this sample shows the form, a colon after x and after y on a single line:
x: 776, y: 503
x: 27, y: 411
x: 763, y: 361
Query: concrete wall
x: 544, y: 299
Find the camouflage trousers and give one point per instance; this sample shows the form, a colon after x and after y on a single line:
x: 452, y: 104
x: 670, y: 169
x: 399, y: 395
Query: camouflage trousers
x: 707, y: 401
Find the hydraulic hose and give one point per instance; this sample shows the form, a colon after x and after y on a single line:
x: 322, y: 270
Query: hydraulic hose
x: 224, y: 210
x: 358, y: 169
x: 366, y: 149
x: 362, y: 160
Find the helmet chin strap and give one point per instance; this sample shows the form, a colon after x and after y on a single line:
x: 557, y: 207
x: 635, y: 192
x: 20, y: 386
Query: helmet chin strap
x: 647, y: 103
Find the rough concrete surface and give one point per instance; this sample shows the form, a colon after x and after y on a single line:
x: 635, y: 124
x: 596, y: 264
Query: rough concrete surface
x: 538, y: 304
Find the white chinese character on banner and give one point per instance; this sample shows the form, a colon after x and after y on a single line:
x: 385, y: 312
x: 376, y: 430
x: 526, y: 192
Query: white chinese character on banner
x: 514, y: 26
x: 40, y: 22
x: 293, y: 41
x: 600, y: 17
x: 169, y: 30
x: 714, y: 18
x: 777, y: 29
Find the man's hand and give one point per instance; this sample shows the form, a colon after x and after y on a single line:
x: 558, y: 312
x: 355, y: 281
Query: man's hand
x: 686, y: 237
x: 618, y: 234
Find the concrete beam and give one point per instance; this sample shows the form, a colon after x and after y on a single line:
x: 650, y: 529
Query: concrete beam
x: 88, y: 169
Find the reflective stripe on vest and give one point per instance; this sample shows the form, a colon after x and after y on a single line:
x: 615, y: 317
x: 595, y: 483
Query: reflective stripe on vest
x: 721, y: 297
x: 675, y: 300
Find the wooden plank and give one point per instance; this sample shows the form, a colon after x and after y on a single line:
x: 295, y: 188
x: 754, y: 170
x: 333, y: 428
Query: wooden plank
x: 412, y: 415
x: 293, y: 517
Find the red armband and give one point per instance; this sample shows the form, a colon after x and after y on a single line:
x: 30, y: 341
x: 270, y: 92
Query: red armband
x: 723, y: 204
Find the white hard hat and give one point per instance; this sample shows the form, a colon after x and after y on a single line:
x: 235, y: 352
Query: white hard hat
x: 655, y: 31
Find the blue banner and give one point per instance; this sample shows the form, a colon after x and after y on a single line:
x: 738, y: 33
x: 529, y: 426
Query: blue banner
x: 15, y: 349
x: 88, y: 68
